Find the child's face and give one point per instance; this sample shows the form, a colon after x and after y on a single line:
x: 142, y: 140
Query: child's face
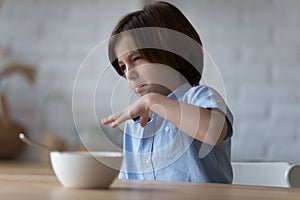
x: 144, y: 77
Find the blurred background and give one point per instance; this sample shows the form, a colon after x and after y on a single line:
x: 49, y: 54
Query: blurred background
x: 255, y: 44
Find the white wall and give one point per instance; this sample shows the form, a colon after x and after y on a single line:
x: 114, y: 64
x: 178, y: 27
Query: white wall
x: 255, y: 45
x: 55, y: 36
x: 257, y: 49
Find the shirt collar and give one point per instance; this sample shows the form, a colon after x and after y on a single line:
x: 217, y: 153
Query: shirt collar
x: 179, y: 92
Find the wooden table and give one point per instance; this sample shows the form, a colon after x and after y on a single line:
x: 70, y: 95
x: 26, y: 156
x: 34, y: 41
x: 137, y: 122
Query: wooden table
x: 35, y: 181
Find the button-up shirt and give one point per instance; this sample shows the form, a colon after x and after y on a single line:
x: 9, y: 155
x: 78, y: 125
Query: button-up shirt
x: 161, y: 151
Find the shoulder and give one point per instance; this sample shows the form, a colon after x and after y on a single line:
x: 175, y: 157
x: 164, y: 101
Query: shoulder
x: 202, y: 94
x: 207, y: 97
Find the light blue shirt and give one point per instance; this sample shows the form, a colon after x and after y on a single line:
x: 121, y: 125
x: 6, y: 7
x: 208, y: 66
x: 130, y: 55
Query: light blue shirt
x: 161, y: 151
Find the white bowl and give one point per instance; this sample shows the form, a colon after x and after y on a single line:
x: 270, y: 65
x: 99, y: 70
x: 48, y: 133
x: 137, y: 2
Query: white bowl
x: 86, y: 169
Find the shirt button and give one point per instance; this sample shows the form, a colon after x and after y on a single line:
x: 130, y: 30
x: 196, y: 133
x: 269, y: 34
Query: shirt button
x: 167, y: 129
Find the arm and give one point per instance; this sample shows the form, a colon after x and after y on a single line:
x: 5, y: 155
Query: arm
x: 202, y: 124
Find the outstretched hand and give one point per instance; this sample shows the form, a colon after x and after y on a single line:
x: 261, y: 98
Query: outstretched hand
x: 139, y: 108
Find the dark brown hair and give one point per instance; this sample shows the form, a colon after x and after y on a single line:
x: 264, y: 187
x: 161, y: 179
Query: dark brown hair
x: 161, y: 15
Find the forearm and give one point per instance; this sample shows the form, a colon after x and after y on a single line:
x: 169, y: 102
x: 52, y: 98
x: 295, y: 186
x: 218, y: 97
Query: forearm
x: 202, y: 124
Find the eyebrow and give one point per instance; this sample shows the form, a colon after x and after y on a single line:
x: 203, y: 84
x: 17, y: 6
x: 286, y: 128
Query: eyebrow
x: 131, y: 53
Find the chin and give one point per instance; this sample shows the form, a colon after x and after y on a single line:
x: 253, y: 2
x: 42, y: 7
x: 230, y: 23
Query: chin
x: 141, y: 94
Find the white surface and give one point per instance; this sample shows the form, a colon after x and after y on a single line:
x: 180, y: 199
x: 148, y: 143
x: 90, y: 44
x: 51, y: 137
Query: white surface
x: 279, y: 174
x: 85, y: 169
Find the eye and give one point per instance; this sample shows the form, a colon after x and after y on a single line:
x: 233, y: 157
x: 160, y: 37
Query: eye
x: 123, y: 68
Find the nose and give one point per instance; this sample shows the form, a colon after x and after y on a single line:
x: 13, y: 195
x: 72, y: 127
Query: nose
x: 132, y: 73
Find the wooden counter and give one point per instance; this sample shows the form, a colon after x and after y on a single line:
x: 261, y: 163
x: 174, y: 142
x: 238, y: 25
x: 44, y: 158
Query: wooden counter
x: 35, y: 181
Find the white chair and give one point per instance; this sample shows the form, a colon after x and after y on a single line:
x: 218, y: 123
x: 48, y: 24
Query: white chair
x: 279, y: 174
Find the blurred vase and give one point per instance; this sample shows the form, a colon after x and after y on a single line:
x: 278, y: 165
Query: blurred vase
x: 10, y: 144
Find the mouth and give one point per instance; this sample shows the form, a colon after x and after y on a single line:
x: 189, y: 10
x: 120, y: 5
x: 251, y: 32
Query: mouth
x: 140, y: 89
x: 140, y: 86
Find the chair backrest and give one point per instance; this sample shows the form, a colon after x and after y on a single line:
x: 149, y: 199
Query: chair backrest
x: 294, y: 176
x: 280, y: 174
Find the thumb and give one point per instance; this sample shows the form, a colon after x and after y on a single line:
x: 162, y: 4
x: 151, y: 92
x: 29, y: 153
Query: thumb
x: 144, y: 120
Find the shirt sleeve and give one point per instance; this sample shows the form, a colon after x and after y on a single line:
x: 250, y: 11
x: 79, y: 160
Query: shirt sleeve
x: 209, y: 98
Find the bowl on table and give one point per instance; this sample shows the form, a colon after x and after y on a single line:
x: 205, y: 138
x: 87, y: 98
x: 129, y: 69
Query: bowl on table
x: 83, y: 169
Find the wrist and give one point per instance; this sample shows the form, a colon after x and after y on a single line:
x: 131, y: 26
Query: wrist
x: 151, y: 99
x: 154, y: 102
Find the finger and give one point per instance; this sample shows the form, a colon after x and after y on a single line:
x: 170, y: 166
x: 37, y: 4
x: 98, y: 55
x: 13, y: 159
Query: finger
x: 120, y: 119
x: 143, y: 121
x: 108, y: 120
